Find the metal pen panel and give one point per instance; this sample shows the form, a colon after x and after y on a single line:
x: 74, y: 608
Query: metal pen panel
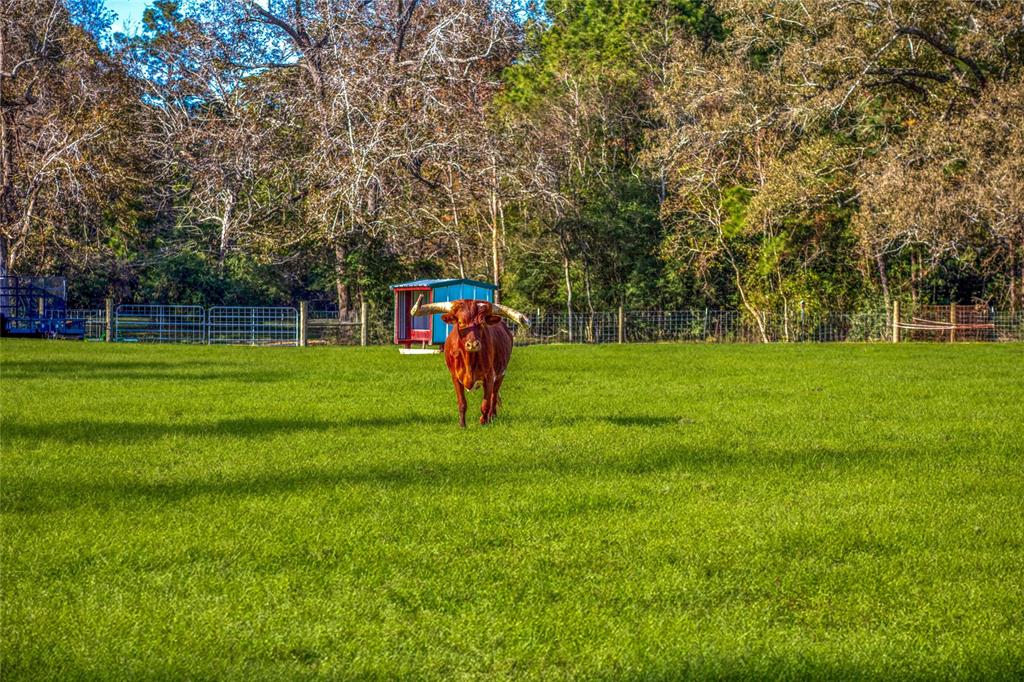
x: 253, y: 326
x: 160, y: 323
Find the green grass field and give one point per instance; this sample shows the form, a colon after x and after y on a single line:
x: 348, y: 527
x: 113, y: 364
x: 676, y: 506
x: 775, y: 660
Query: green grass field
x: 637, y: 512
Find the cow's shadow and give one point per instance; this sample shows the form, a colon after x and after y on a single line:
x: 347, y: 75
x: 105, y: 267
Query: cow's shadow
x: 624, y: 420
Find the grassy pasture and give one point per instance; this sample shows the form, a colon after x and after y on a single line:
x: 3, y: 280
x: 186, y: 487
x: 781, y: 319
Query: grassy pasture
x: 637, y: 512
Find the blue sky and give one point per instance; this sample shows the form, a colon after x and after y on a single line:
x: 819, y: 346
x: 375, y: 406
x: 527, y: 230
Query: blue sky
x: 129, y: 13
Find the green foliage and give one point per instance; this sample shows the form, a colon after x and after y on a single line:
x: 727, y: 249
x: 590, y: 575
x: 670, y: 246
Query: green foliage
x: 734, y: 205
x: 194, y: 279
x: 603, y: 41
x: 162, y: 16
x: 799, y: 512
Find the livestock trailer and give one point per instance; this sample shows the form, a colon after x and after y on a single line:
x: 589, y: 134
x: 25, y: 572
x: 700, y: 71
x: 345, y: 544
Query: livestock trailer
x: 36, y: 307
x: 429, y: 329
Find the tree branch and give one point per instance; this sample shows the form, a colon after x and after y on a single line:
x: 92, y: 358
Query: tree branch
x: 944, y: 48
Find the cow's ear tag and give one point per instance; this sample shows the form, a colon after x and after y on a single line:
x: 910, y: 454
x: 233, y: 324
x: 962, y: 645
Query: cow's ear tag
x: 493, y: 319
x: 448, y: 318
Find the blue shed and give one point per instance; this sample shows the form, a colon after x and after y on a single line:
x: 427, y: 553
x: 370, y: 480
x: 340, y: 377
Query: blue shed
x: 409, y: 330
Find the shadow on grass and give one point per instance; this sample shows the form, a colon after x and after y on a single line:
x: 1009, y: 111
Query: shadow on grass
x: 99, y: 365
x: 996, y: 664
x: 34, y: 497
x: 43, y: 496
x: 85, y: 431
x: 640, y: 420
x: 100, y: 370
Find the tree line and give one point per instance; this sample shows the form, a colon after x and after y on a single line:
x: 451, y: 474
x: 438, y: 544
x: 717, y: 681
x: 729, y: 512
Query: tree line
x: 771, y: 156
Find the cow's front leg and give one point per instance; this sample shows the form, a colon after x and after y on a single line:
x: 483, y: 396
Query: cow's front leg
x: 487, y: 404
x: 460, y: 395
x: 495, y: 400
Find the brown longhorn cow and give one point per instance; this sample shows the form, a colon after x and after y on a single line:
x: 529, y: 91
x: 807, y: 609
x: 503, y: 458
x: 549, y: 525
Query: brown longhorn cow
x: 477, y: 349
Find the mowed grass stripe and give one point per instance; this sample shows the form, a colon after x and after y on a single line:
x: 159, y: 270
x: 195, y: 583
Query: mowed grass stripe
x: 644, y: 511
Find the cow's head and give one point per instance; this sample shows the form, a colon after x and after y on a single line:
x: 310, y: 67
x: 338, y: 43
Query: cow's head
x: 469, y: 317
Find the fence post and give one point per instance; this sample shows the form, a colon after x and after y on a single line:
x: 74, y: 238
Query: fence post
x: 895, y: 321
x: 303, y: 321
x: 110, y: 320
x: 622, y: 324
x: 952, y: 322
x: 364, y: 331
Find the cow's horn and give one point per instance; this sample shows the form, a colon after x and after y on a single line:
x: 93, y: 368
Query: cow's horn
x: 511, y: 314
x: 430, y: 308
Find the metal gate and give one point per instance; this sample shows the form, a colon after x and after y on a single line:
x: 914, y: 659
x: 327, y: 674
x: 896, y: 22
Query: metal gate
x: 277, y: 326
x: 160, y: 323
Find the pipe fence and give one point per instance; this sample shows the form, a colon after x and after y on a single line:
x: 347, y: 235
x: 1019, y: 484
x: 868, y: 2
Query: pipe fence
x: 160, y: 323
x: 257, y: 326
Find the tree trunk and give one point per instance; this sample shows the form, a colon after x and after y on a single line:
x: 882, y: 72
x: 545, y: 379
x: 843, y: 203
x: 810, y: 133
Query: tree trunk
x: 17, y: 240
x: 494, y: 258
x: 458, y: 228
x: 568, y: 283
x: 458, y: 254
x: 913, y: 276
x: 7, y: 209
x: 785, y: 319
x: 883, y: 278
x: 495, y: 246
x: 1015, y: 270
x: 1020, y: 274
x: 758, y: 318
x: 590, y: 302
x: 226, y: 225
x: 340, y: 276
x: 495, y: 212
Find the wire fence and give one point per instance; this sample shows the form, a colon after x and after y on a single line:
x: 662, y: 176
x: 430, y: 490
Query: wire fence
x: 1007, y: 326
x: 95, y: 321
x: 960, y: 323
x: 922, y: 323
x: 329, y: 327
x: 282, y: 326
x: 702, y: 326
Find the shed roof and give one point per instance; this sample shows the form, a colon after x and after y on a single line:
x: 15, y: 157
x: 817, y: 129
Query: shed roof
x: 434, y: 283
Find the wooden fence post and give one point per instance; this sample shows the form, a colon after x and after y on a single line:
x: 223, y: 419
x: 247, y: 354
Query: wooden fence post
x: 622, y: 323
x: 895, y: 321
x: 952, y: 321
x: 364, y: 331
x: 109, y: 337
x: 303, y: 322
